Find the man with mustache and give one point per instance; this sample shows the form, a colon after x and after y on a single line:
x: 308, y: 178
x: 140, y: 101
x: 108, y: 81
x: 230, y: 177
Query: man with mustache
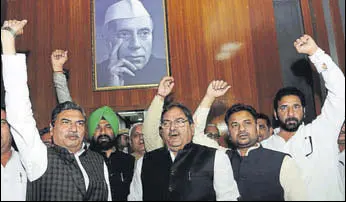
x: 313, y: 146
x: 103, y: 127
x: 261, y: 174
x: 182, y: 170
x: 65, y: 170
x: 265, y: 129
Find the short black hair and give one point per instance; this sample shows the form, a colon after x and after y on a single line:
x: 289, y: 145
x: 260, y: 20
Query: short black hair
x: 44, y: 131
x: 265, y: 117
x: 66, y: 106
x: 288, y: 91
x: 185, y: 110
x: 240, y: 107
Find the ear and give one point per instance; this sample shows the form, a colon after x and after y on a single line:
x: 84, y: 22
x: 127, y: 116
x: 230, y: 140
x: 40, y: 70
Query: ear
x: 271, y: 130
x: 193, y: 127
x: 275, y: 115
x: 51, y: 130
x: 257, y: 127
x: 161, y: 133
x: 304, y: 110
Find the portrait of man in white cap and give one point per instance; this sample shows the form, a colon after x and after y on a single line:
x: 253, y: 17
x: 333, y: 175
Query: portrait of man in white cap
x: 128, y: 32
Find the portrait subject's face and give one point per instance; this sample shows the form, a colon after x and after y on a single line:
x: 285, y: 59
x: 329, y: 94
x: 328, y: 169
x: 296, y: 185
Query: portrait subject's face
x: 136, y: 35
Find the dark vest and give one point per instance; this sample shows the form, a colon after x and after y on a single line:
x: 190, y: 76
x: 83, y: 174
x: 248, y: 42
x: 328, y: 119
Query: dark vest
x: 189, y: 178
x: 120, y: 169
x: 63, y: 179
x: 258, y: 174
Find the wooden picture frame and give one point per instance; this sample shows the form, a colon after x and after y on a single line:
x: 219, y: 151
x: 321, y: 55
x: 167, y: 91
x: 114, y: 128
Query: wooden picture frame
x: 130, y: 48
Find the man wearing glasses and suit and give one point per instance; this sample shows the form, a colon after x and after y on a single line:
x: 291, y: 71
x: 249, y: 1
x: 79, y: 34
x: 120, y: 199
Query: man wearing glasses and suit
x: 182, y: 170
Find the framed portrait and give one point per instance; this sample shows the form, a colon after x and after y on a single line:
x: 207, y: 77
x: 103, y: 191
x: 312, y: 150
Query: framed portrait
x: 130, y: 44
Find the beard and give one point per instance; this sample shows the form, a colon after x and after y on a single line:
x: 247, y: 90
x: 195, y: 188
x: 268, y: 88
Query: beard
x: 102, y: 143
x: 292, y: 126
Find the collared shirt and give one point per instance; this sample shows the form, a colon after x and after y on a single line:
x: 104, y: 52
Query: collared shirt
x: 225, y: 187
x: 314, y: 146
x: 13, y: 179
x: 152, y: 122
x: 23, y: 126
x: 290, y: 175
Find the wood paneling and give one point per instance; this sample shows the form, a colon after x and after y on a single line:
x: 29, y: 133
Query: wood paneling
x: 338, y: 32
x: 199, y: 31
x: 234, y: 40
x: 266, y: 55
x: 314, y: 25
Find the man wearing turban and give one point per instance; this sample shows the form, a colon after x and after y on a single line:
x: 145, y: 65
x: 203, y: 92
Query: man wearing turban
x: 103, y: 126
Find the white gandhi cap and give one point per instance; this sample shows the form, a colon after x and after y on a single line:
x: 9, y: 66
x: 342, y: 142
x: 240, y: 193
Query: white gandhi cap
x: 125, y: 9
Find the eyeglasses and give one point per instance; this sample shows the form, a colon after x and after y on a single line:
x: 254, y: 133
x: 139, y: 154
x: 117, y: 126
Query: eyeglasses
x: 213, y: 136
x: 178, y: 123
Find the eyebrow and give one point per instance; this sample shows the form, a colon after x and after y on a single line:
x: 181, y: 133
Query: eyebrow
x: 66, y: 119
x: 124, y: 30
x: 241, y: 121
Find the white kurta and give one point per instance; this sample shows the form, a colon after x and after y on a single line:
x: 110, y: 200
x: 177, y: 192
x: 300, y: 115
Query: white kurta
x: 314, y: 146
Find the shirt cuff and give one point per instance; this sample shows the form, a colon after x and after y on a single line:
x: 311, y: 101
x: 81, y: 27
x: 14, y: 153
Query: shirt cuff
x: 319, y: 60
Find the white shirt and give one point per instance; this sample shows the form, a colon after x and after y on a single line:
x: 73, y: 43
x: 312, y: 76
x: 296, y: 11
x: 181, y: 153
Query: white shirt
x: 32, y: 150
x: 13, y: 179
x: 314, y: 146
x: 225, y: 187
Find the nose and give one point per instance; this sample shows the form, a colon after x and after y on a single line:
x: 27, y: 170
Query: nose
x: 290, y: 111
x: 241, y: 127
x: 103, y: 130
x: 134, y: 43
x: 73, y: 127
x: 172, y: 126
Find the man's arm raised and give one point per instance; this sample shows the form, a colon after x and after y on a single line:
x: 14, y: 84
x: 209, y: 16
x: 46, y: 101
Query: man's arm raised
x: 32, y: 150
x: 152, y: 120
x: 58, y: 59
x: 216, y: 88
